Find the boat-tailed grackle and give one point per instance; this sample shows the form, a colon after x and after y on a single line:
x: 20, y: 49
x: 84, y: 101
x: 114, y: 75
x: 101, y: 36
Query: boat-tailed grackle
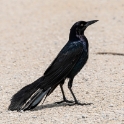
x: 67, y: 64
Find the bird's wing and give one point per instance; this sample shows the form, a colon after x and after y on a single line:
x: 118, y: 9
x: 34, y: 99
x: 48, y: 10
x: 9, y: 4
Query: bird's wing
x: 63, y: 63
x: 31, y: 95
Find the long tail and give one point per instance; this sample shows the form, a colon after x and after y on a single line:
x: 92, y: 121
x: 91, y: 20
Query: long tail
x: 29, y: 96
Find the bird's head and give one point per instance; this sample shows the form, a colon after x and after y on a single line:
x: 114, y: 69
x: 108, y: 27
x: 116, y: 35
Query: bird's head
x: 79, y: 27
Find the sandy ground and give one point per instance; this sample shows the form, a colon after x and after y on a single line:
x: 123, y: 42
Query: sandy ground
x: 32, y: 32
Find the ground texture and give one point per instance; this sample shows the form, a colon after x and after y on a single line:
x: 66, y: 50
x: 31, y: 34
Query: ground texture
x: 32, y: 32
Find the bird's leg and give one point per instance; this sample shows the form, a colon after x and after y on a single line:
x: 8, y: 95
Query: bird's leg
x: 75, y: 99
x: 64, y: 98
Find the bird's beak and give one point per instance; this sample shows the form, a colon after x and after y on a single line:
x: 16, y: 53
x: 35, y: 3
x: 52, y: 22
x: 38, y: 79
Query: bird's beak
x: 91, y: 22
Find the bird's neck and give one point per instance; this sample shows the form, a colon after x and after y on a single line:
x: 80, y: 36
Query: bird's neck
x: 73, y: 36
x: 80, y: 38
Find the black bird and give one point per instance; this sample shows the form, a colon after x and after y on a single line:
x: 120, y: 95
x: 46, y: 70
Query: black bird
x: 67, y: 64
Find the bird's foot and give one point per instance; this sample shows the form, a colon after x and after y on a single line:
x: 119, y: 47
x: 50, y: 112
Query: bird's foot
x: 65, y: 100
x: 82, y: 104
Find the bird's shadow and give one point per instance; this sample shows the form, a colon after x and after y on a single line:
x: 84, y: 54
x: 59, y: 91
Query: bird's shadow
x: 52, y: 105
x: 110, y: 53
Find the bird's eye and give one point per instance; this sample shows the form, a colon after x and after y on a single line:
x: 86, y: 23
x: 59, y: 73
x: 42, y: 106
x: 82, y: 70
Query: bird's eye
x: 82, y: 25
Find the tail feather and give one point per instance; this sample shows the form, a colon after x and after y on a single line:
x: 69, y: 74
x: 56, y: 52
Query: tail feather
x: 35, y: 99
x: 29, y: 96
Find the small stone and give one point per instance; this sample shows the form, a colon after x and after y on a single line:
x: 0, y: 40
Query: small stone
x: 87, y: 92
x: 111, y: 106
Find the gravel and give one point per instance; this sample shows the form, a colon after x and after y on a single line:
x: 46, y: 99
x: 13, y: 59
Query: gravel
x: 31, y: 35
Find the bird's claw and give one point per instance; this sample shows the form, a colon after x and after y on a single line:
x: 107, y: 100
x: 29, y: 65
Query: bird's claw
x: 66, y: 101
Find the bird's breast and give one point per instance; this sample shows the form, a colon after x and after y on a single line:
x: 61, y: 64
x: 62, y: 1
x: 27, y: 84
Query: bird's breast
x: 79, y: 65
